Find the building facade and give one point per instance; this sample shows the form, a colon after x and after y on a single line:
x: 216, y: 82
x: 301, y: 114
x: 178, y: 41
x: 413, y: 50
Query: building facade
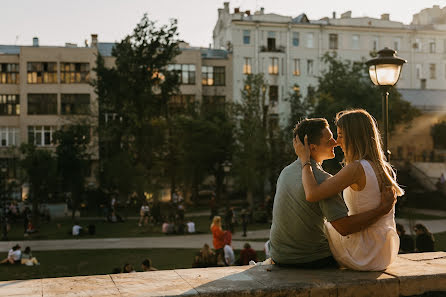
x: 43, y: 88
x: 287, y: 50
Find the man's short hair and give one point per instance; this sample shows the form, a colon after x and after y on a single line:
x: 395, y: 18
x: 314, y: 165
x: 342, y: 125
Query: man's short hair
x: 311, y: 127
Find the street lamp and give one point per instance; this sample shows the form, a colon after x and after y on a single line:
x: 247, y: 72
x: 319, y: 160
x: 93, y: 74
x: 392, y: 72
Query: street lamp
x: 3, y: 171
x: 385, y: 70
x: 226, y: 168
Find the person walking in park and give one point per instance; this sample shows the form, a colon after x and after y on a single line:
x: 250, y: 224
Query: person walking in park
x: 218, y: 236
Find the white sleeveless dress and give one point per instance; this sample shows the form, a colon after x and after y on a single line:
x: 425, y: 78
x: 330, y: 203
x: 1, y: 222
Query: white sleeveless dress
x: 374, y: 248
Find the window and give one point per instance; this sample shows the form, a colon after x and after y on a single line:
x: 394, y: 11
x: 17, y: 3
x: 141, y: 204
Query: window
x: 185, y: 71
x: 9, y: 105
x: 74, y: 73
x: 310, y: 67
x: 271, y: 41
x: 432, y: 71
x: 179, y: 103
x: 417, y: 45
x: 333, y: 41
x: 42, y: 104
x: 213, y: 76
x: 397, y: 44
x: 418, y: 71
x: 432, y: 46
x: 75, y: 103
x: 355, y: 41
x: 296, y: 71
x: 9, y: 73
x: 295, y: 38
x: 246, y: 36
x: 207, y: 76
x: 41, y: 135
x: 310, y: 40
x: 273, y: 94
x: 247, y: 66
x: 42, y: 72
x: 375, y: 43
x: 9, y: 136
x: 213, y: 103
x: 273, y: 66
x: 219, y: 76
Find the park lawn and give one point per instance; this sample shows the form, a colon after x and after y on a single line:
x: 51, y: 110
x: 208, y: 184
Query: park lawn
x: 61, y: 229
x: 94, y: 262
x: 405, y: 214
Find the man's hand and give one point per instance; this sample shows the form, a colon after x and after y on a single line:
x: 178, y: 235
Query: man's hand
x: 388, y: 200
x: 302, y: 150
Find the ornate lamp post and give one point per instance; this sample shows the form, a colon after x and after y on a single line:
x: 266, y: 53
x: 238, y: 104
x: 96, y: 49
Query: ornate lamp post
x: 226, y: 168
x: 385, y: 70
x: 3, y: 172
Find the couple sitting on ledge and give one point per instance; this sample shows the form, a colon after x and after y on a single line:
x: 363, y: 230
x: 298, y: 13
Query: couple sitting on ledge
x: 313, y: 226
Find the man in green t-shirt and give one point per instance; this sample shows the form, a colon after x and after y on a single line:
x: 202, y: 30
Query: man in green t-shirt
x: 297, y: 233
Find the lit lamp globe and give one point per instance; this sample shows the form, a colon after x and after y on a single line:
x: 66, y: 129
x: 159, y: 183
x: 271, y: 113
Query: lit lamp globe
x: 385, y: 70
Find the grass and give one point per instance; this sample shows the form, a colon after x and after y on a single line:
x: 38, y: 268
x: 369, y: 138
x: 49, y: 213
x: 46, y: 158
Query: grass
x: 96, y: 262
x: 61, y: 229
x: 404, y: 214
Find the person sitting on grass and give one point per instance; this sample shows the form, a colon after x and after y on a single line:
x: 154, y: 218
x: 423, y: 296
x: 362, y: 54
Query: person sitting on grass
x: 425, y: 241
x: 205, y: 258
x: 246, y: 255
x: 76, y: 230
x: 407, y: 244
x: 146, y: 265
x: 14, y: 255
x: 28, y: 259
x: 128, y: 268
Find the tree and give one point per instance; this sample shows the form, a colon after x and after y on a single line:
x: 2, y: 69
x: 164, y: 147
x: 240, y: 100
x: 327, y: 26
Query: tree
x: 72, y: 160
x: 438, y: 132
x: 39, y: 166
x: 299, y: 107
x: 346, y: 84
x: 135, y: 93
x: 251, y: 155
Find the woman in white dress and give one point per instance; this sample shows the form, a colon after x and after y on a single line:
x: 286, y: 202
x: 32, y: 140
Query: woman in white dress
x: 362, y: 179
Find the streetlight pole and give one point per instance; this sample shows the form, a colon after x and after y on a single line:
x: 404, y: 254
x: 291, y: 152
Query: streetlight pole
x: 3, y: 197
x: 385, y: 70
x: 226, y: 168
x: 385, y: 115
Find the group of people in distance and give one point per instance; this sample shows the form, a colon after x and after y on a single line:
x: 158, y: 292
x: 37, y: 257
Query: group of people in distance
x: 313, y: 226
x: 424, y: 240
x: 146, y: 265
x: 16, y: 256
x: 223, y: 254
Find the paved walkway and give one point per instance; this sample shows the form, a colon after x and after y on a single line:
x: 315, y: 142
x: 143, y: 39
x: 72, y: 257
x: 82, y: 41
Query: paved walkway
x: 192, y: 241
x: 171, y: 241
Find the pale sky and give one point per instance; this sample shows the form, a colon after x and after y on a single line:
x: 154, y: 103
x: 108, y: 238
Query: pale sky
x: 56, y: 22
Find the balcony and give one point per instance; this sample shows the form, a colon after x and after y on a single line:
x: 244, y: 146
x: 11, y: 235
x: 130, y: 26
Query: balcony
x: 272, y: 49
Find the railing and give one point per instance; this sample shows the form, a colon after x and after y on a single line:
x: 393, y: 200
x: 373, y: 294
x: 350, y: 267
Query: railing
x: 279, y: 49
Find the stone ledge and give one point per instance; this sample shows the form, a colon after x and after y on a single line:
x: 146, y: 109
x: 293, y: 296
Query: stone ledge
x: 410, y: 275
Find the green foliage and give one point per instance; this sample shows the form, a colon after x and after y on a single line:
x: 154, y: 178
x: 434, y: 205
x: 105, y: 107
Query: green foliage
x: 438, y: 132
x: 40, y: 169
x: 72, y: 159
x: 299, y: 107
x: 136, y: 92
x: 345, y: 85
x: 251, y: 155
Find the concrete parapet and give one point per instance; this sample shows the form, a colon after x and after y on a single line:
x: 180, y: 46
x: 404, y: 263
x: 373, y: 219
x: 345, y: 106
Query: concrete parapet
x: 410, y: 275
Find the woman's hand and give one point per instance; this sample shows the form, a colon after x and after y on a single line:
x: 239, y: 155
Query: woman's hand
x: 302, y: 150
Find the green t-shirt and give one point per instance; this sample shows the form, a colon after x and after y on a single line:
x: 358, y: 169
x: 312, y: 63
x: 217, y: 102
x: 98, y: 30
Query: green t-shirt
x: 297, y: 231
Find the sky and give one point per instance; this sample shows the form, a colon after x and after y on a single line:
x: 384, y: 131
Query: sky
x: 56, y: 22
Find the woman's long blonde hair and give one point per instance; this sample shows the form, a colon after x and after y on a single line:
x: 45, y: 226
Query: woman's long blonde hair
x: 216, y: 221
x: 362, y: 140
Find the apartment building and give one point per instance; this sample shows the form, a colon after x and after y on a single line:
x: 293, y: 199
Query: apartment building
x: 287, y: 50
x: 43, y: 88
